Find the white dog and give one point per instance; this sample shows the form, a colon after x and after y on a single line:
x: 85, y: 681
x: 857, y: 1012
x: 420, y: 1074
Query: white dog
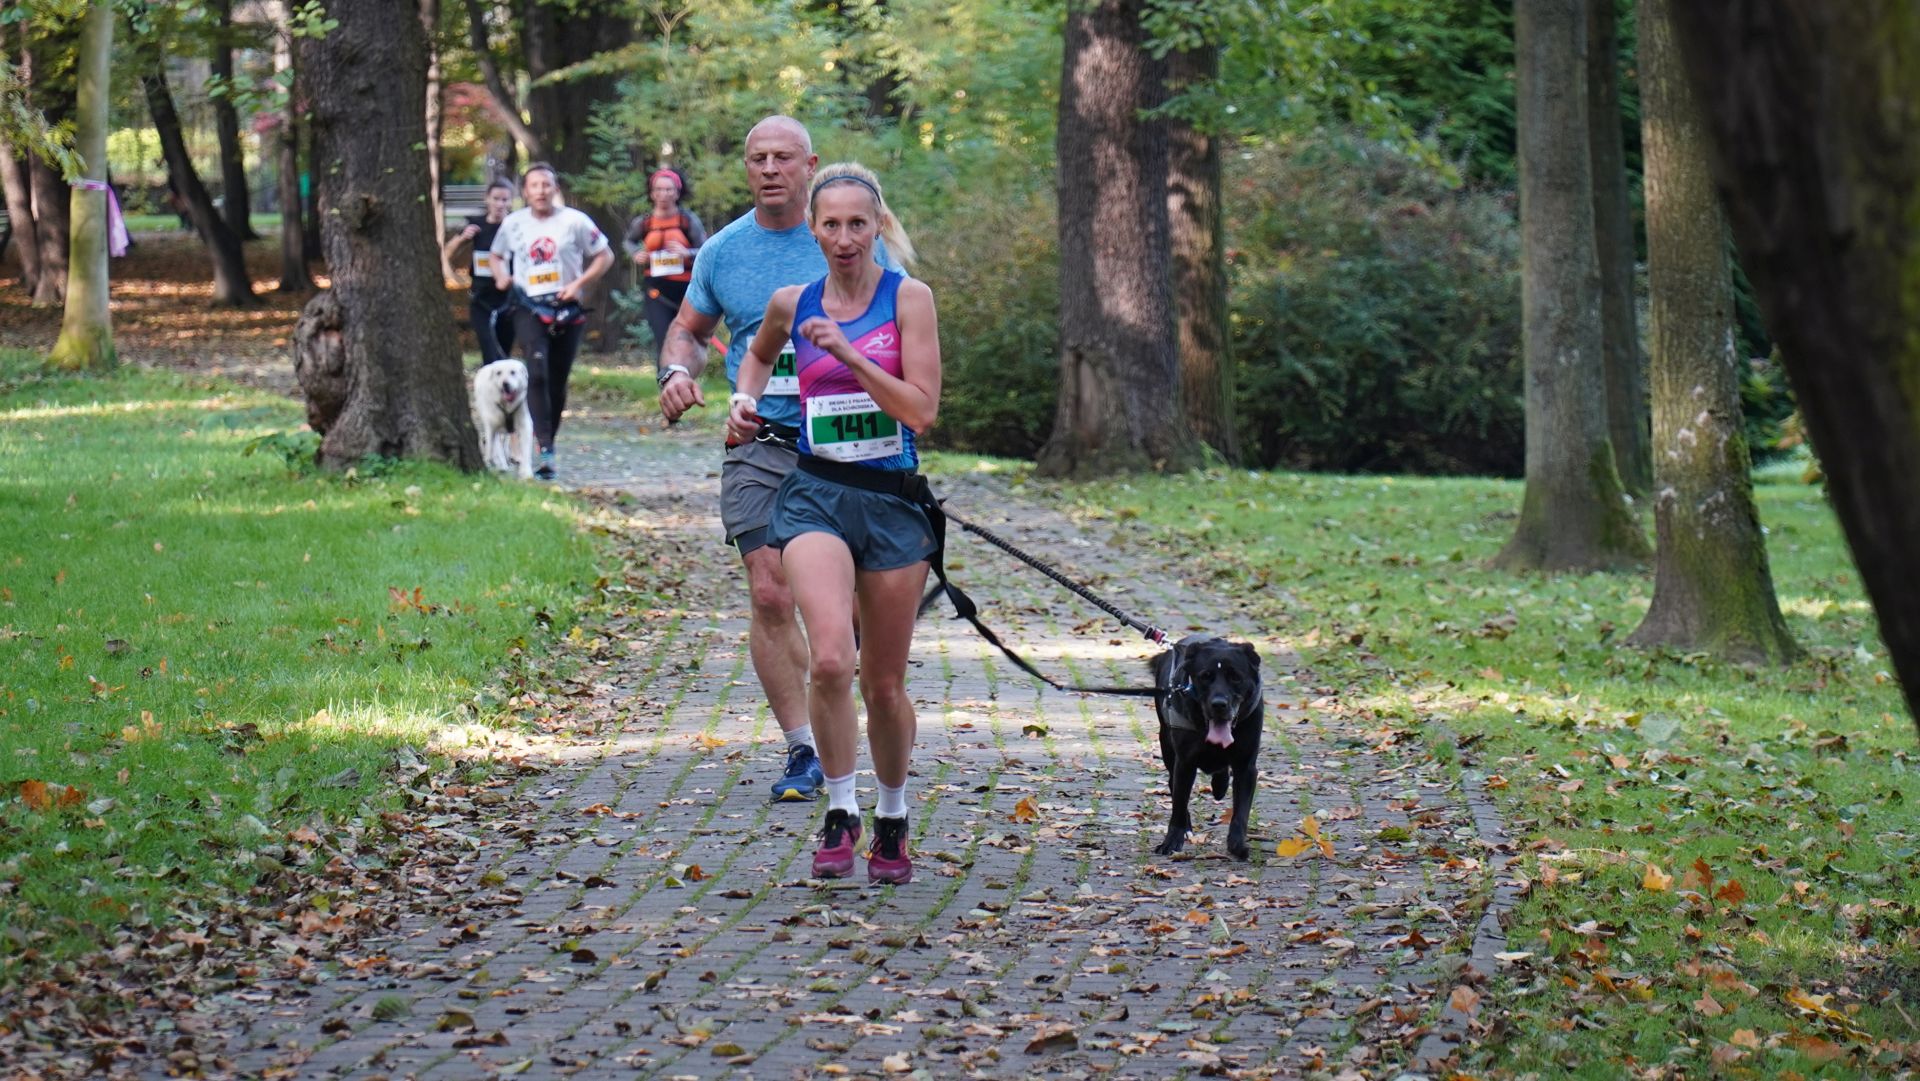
x: 506, y: 426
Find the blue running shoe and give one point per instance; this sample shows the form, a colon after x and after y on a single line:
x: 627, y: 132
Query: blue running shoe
x: 803, y: 777
x: 544, y: 465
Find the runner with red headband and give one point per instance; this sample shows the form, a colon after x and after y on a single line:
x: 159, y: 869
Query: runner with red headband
x: 662, y: 243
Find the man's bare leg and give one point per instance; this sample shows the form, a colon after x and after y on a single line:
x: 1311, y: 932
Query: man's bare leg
x: 775, y: 640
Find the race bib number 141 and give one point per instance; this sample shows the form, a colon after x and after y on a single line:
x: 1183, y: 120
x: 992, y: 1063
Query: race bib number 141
x: 851, y: 428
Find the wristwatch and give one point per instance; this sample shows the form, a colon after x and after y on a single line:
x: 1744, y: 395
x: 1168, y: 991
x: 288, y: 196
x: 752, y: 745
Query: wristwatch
x: 666, y: 373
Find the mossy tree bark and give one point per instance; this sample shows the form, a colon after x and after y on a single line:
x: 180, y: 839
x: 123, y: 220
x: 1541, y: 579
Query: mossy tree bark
x: 1197, y: 234
x: 1626, y: 365
x: 1712, y: 589
x: 394, y: 359
x: 1574, y: 516
x: 86, y: 330
x: 1120, y: 403
x: 1814, y: 108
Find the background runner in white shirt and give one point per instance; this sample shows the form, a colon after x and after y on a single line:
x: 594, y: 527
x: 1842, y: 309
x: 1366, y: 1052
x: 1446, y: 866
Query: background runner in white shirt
x: 547, y: 255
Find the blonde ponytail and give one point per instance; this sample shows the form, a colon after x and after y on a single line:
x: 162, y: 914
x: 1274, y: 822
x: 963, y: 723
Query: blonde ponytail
x: 891, y: 230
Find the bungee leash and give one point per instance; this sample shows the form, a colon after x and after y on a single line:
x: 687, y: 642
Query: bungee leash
x: 965, y: 608
x: 913, y: 488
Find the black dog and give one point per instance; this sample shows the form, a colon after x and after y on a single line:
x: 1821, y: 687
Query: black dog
x: 1207, y: 692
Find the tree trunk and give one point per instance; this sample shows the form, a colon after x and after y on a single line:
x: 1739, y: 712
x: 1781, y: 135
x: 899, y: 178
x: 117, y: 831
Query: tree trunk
x: 406, y: 395
x: 1119, y: 375
x: 294, y: 277
x: 1712, y: 590
x: 1626, y: 369
x: 16, y: 177
x: 436, y: 108
x: 236, y: 205
x: 1810, y: 105
x: 506, y: 104
x: 310, y: 202
x: 86, y: 332
x: 50, y: 89
x: 1198, y: 245
x: 1574, y: 516
x: 231, y: 286
x: 52, y: 224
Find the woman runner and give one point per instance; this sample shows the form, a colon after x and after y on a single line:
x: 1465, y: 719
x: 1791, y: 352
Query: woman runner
x: 867, y: 353
x: 487, y: 305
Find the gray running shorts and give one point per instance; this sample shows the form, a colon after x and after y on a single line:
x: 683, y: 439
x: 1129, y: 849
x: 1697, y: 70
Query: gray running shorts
x: 749, y: 478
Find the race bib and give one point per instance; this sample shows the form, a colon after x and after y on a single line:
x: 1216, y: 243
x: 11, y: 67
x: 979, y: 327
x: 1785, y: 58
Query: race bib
x: 785, y: 380
x: 543, y: 279
x: 665, y: 264
x: 850, y: 428
x: 483, y: 264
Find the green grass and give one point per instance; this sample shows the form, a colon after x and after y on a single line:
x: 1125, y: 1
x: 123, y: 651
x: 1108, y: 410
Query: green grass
x: 1607, y: 760
x: 266, y: 224
x: 213, y: 649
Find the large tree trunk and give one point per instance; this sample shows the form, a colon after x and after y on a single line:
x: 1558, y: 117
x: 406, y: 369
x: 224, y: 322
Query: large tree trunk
x: 16, y: 177
x: 405, y: 393
x: 1613, y: 236
x: 1197, y: 238
x: 1574, y: 516
x: 506, y: 104
x: 86, y: 332
x: 1119, y: 375
x: 231, y: 286
x: 294, y: 277
x: 1712, y: 590
x: 52, y: 225
x: 236, y: 205
x: 436, y: 108
x: 1810, y: 104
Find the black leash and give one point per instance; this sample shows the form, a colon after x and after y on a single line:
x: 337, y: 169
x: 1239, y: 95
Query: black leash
x: 964, y: 608
x: 914, y: 488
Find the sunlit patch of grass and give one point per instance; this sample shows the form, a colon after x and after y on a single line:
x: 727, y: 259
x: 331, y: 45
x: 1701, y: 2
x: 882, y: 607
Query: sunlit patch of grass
x: 215, y: 648
x: 1790, y: 781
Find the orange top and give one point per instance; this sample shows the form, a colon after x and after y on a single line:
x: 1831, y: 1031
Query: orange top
x: 660, y: 232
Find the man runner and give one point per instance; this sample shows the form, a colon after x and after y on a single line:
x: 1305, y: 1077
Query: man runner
x: 736, y: 275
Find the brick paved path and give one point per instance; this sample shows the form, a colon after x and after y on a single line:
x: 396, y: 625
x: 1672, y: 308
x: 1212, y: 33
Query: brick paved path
x: 642, y: 910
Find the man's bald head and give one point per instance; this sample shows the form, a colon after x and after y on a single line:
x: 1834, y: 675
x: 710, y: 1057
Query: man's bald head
x: 783, y: 123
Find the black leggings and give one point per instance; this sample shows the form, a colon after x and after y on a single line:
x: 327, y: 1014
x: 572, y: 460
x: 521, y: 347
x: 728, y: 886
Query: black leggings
x: 492, y: 324
x: 663, y: 303
x: 549, y: 358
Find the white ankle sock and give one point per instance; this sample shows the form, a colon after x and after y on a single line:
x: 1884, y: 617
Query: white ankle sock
x: 893, y: 802
x: 840, y: 796
x: 800, y: 737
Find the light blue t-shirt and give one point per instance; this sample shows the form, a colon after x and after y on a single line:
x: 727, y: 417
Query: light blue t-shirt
x: 736, y: 274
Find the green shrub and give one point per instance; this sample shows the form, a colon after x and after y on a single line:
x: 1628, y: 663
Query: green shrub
x: 1375, y: 312
x: 993, y: 264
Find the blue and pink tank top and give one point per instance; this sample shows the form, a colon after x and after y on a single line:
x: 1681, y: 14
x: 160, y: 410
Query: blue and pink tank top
x: 839, y: 421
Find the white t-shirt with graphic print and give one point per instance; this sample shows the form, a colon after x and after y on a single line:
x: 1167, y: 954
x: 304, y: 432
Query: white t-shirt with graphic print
x: 543, y: 254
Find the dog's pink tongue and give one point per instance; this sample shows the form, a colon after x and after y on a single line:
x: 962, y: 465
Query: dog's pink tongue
x: 1220, y: 735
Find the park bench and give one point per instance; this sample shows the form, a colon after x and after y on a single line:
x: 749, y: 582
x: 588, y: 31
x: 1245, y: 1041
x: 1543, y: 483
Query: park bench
x: 462, y: 201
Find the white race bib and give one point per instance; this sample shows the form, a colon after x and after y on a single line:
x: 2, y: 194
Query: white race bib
x: 542, y: 279
x: 662, y: 263
x: 851, y: 428
x: 482, y: 264
x: 785, y: 380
